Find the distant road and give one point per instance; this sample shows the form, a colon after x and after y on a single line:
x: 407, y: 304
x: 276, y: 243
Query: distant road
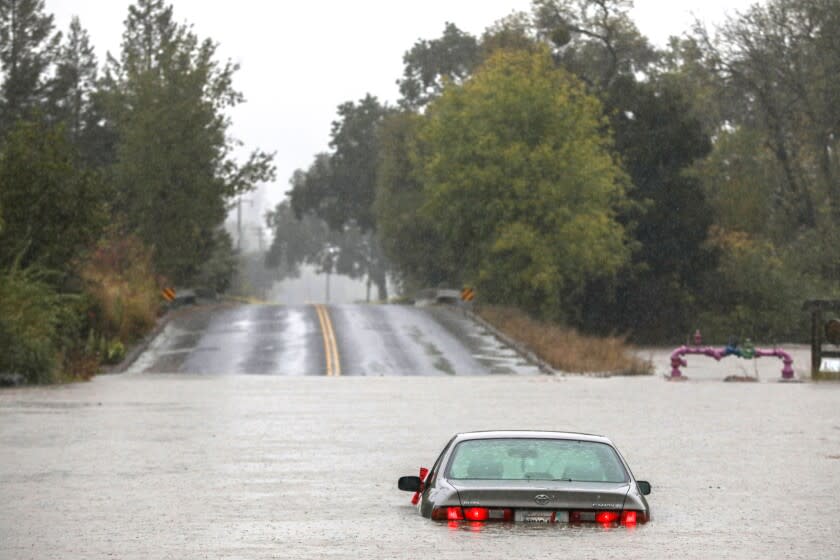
x: 336, y: 340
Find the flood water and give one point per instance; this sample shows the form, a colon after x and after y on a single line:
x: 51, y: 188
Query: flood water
x: 179, y: 466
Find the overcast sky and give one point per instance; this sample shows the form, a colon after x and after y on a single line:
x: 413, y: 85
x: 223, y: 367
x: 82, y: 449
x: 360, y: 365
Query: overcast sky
x: 300, y: 59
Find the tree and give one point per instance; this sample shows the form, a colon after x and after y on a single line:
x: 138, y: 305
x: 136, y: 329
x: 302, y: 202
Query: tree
x: 684, y: 66
x: 296, y: 241
x: 167, y: 97
x: 355, y: 141
x: 514, y: 32
x: 595, y: 39
x: 521, y: 185
x: 775, y: 69
x: 659, y: 140
x: 27, y: 45
x: 74, y: 101
x: 409, y: 239
x: 75, y: 80
x: 54, y: 209
x: 740, y: 177
x: 309, y: 240
x: 430, y: 64
x: 340, y: 187
x: 781, y: 58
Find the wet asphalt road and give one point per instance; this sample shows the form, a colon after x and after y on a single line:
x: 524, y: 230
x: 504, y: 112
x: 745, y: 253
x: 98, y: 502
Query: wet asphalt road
x: 181, y: 465
x: 292, y: 340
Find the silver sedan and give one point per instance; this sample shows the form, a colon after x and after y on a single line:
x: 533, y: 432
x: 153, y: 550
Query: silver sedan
x: 531, y: 477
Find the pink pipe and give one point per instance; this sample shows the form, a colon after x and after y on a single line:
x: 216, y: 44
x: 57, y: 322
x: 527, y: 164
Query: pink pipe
x: 787, y: 360
x: 678, y: 361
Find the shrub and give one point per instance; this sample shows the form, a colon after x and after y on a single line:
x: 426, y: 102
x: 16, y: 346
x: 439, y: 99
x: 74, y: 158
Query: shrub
x: 115, y: 352
x: 32, y: 318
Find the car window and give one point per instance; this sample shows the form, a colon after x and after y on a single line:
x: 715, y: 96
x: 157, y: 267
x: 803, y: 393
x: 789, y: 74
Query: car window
x: 536, y: 459
x: 432, y: 477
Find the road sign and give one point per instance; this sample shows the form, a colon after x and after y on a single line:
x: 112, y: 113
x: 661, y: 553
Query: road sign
x: 468, y: 294
x: 168, y: 294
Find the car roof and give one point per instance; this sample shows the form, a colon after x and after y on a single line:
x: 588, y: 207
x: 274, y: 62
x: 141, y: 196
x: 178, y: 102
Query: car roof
x: 531, y: 434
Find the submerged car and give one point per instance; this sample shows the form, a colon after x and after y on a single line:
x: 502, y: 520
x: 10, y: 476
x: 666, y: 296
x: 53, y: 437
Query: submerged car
x: 531, y: 477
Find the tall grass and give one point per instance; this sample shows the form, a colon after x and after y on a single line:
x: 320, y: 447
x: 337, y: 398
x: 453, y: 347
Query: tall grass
x: 121, y: 286
x: 565, y: 349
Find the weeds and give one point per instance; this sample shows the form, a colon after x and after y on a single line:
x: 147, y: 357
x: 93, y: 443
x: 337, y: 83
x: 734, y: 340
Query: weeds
x: 565, y: 349
x: 121, y: 286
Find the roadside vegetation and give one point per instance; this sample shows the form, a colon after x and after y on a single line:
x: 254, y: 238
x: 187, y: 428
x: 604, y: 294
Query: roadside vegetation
x: 115, y: 180
x: 561, y: 165
x: 565, y: 349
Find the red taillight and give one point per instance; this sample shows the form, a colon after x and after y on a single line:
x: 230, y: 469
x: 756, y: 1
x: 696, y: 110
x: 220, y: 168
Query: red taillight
x: 627, y: 517
x: 606, y: 517
x: 476, y: 514
x: 454, y: 514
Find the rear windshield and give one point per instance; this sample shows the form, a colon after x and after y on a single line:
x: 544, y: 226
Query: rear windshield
x: 536, y: 459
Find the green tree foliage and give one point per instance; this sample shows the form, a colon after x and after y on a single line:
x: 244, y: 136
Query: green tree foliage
x: 309, y: 240
x: 659, y: 140
x: 783, y: 59
x: 431, y: 64
x: 753, y: 293
x: 53, y: 208
x: 520, y: 182
x: 773, y: 174
x: 27, y: 45
x: 75, y: 80
x: 175, y: 169
x: 410, y: 240
x: 685, y: 66
x: 594, y: 39
x: 340, y: 187
x: 657, y: 137
x: 740, y: 177
x: 297, y: 241
x: 514, y: 32
x: 74, y: 101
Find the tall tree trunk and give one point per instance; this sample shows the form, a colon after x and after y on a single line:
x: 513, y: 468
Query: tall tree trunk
x: 381, y: 285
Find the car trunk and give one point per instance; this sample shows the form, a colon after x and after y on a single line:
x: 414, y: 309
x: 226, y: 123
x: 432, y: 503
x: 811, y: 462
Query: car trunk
x: 542, y: 494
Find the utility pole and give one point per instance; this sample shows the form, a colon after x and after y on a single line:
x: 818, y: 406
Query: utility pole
x: 328, y: 286
x: 239, y: 221
x: 330, y: 261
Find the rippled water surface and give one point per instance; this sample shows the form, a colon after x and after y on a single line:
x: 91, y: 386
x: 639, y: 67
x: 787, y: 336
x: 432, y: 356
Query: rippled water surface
x: 174, y: 466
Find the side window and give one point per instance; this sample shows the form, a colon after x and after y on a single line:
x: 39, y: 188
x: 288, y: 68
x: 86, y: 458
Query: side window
x: 432, y: 477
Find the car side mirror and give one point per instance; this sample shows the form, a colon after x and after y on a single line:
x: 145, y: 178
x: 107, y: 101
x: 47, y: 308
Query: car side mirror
x: 409, y: 483
x: 644, y: 487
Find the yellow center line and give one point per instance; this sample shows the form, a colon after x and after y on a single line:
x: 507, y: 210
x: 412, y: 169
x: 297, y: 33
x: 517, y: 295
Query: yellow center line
x: 330, y: 345
x: 327, y: 352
